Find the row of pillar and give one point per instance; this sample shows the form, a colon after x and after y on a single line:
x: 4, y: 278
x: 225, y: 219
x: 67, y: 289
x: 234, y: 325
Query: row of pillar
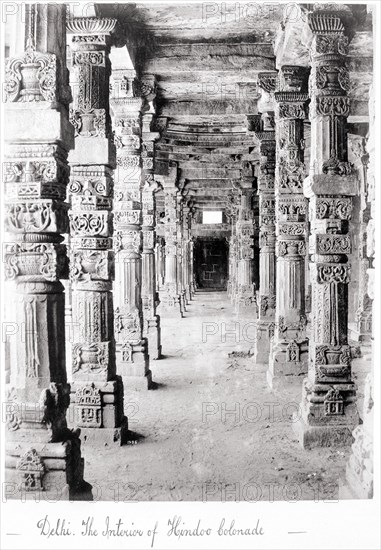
x: 106, y: 202
x: 304, y: 216
x: 86, y: 171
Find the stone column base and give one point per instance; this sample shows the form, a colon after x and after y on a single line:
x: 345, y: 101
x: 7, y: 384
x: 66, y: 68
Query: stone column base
x: 183, y: 301
x: 315, y: 426
x: 133, y: 383
x: 246, y: 308
x: 105, y: 437
x: 188, y: 294
x: 282, y: 370
x: 264, y: 332
x: 132, y: 360
x: 97, y: 409
x: 56, y: 469
x: 170, y: 306
x: 153, y: 335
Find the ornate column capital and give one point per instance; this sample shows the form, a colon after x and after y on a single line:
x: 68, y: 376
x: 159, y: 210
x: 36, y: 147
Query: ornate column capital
x: 91, y: 32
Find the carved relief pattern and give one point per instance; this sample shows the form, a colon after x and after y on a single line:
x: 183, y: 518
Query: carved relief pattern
x: 31, y: 77
x: 129, y: 241
x: 266, y: 192
x: 35, y: 177
x: 245, y: 227
x: 89, y: 77
x: 291, y: 208
x: 90, y: 194
x: 330, y: 382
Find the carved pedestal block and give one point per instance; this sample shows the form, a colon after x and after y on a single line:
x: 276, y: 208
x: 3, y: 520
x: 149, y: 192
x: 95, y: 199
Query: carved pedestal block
x: 39, y: 471
x: 288, y: 361
x: 326, y: 418
x: 264, y: 334
x: 153, y: 334
x: 97, y: 409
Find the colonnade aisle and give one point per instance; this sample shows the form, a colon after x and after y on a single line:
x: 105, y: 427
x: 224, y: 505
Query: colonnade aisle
x: 212, y: 429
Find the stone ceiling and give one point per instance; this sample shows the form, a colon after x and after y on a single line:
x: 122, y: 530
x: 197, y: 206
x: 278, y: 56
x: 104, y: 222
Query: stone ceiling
x: 206, y: 58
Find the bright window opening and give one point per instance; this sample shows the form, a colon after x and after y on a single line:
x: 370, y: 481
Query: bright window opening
x: 212, y: 216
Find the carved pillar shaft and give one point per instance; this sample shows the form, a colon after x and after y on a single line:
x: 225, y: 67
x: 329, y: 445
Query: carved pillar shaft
x: 149, y: 288
x: 329, y: 411
x: 186, y: 252
x: 288, y: 354
x: 131, y: 346
x: 180, y: 251
x: 160, y: 263
x: 233, y: 259
x: 170, y: 296
x: 245, y: 300
x: 191, y: 266
x: 151, y: 319
x: 37, y: 140
x: 360, y: 304
x: 263, y: 127
x: 98, y: 393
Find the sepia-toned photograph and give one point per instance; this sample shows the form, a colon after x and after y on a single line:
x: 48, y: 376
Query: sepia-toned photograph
x: 189, y: 270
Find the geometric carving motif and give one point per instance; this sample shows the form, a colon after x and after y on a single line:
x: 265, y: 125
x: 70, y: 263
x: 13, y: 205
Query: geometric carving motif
x: 127, y: 356
x: 32, y: 469
x: 333, y: 403
x: 292, y: 352
x: 88, y: 401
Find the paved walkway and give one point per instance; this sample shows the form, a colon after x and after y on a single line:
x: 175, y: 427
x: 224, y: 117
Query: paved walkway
x: 212, y: 430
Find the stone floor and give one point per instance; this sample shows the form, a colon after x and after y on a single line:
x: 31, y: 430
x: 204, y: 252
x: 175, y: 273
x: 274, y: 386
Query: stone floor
x: 212, y: 430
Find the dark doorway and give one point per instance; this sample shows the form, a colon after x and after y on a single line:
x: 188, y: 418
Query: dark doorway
x: 211, y: 263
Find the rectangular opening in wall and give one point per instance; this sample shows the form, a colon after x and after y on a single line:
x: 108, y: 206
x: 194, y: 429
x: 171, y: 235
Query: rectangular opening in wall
x: 212, y: 216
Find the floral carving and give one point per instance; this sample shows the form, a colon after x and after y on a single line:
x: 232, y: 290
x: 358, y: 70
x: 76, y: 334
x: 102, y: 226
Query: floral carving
x: 31, y: 77
x: 332, y: 273
x: 335, y: 166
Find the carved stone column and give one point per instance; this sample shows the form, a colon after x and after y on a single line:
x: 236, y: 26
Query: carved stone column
x: 359, y: 470
x: 289, y: 348
x: 97, y: 391
x: 360, y: 330
x: 180, y: 251
x: 149, y: 295
x: 191, y: 264
x: 232, y: 206
x: 160, y: 263
x: 245, y: 299
x: 328, y: 409
x: 263, y: 127
x: 170, y: 301
x: 37, y: 140
x: 131, y: 347
x: 187, y: 217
